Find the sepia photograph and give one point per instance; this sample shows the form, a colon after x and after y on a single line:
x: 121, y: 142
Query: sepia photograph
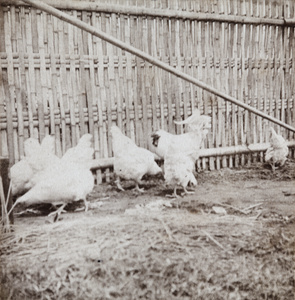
x: 147, y: 149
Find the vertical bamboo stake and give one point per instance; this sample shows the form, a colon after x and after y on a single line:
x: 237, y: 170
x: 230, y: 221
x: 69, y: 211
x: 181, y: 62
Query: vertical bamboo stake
x: 145, y: 92
x: 137, y: 33
x: 79, y: 98
x: 222, y: 114
x: 91, y: 91
x: 23, y: 95
x: 170, y: 79
x: 31, y: 90
x: 110, y: 84
x: 187, y: 62
x: 201, y: 74
x: 217, y: 71
x: 143, y: 70
x: 211, y: 99
x: 235, y: 83
x: 102, y: 94
x: 42, y: 87
x: 63, y: 95
x: 99, y: 100
x: 55, y: 126
x: 243, y: 88
x: 161, y: 76
x: 73, y: 99
x: 105, y: 82
x: 292, y: 72
x: 119, y: 75
x: 127, y: 82
x: 3, y: 133
x: 11, y: 88
x: 193, y: 44
x: 230, y: 91
x: 153, y: 76
x: 178, y: 91
x: 50, y: 111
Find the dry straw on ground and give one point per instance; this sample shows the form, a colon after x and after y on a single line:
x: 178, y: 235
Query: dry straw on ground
x: 124, y: 248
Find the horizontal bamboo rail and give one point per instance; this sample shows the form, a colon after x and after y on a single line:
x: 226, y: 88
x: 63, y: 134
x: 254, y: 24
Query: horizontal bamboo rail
x: 232, y: 150
x: 84, y: 26
x: 148, y: 110
x: 151, y: 12
x: 249, y: 63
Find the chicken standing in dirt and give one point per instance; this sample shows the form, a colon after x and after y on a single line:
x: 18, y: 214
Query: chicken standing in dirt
x: 180, y: 152
x: 68, y: 180
x: 179, y: 171
x: 130, y: 161
x: 278, y: 151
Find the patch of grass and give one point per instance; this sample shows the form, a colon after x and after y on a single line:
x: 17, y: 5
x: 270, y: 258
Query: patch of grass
x: 108, y: 254
x: 259, y: 266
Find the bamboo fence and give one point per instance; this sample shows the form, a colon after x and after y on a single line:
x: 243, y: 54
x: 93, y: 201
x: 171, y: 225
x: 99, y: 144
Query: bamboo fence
x: 57, y: 79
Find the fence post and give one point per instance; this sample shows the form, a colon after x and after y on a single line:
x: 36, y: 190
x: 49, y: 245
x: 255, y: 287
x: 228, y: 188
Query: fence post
x: 4, y: 171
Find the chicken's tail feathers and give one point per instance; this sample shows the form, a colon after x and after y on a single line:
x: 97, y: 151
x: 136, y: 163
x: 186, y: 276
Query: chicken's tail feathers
x: 196, y: 121
x: 48, y: 144
x: 85, y: 139
x: 115, y: 130
x: 191, y: 119
x: 273, y: 132
x: 277, y: 140
x: 31, y: 145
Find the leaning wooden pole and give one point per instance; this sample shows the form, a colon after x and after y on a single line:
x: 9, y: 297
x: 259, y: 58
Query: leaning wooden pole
x: 84, y: 26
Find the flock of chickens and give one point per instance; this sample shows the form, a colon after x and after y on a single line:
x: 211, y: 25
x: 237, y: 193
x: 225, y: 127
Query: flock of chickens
x: 42, y: 177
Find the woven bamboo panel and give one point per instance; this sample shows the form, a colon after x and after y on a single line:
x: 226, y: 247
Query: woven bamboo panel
x: 56, y: 79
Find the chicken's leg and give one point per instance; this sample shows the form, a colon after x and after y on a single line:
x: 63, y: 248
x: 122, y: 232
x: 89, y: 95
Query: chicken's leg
x: 273, y: 167
x: 186, y: 192
x: 138, y: 188
x: 174, y: 195
x: 58, y: 212
x: 86, y: 204
x: 118, y: 183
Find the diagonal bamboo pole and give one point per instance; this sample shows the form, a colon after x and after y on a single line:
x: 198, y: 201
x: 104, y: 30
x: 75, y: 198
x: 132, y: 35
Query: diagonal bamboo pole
x: 84, y: 26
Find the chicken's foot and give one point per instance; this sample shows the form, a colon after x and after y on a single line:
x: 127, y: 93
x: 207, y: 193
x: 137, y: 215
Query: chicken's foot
x: 138, y: 188
x: 186, y: 192
x: 174, y: 195
x: 274, y: 168
x: 58, y: 212
x: 119, y: 186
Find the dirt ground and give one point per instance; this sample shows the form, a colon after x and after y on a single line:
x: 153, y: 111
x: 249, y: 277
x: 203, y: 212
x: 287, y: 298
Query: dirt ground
x: 233, y: 239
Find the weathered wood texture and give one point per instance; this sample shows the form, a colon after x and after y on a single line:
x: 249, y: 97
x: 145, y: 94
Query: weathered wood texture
x: 57, y: 79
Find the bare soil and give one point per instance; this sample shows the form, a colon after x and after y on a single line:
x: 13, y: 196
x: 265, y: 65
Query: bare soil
x: 233, y: 239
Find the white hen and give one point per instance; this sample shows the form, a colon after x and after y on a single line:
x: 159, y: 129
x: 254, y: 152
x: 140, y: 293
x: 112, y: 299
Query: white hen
x: 277, y: 153
x: 41, y: 156
x: 61, y: 183
x: 21, y: 175
x: 180, y: 152
x: 178, y: 170
x: 130, y: 161
x: 24, y: 174
x: 82, y: 153
x: 189, y: 142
